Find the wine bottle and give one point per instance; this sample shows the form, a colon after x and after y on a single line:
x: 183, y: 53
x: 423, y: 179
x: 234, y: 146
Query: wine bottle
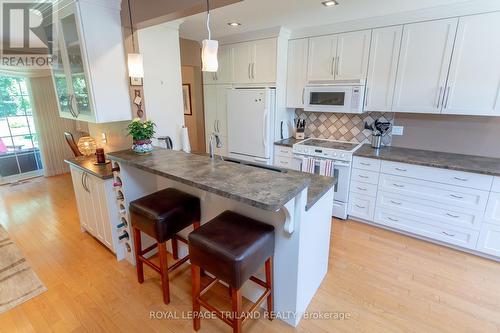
x: 115, y: 168
x: 121, y: 225
x: 123, y: 236
x: 117, y: 184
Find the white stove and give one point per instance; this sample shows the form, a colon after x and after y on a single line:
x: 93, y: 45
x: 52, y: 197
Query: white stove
x: 330, y: 149
x: 341, y: 153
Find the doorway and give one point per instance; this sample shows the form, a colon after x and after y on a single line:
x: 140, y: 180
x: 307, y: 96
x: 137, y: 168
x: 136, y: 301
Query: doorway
x: 19, y: 147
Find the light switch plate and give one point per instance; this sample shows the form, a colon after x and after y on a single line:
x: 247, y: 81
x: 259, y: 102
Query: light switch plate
x: 397, y: 130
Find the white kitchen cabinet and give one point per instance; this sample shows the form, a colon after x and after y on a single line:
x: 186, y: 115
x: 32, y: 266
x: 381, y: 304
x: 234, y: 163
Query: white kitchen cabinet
x: 352, y: 55
x: 284, y: 158
x: 474, y: 80
x: 424, y: 60
x: 383, y: 64
x: 90, y: 76
x: 361, y: 206
x: 489, y: 240
x: 93, y: 197
x: 321, y: 59
x: 296, y: 72
x: 255, y: 61
x: 339, y: 57
x: 225, y: 72
x: 220, y: 151
x: 215, y: 102
x: 492, y: 214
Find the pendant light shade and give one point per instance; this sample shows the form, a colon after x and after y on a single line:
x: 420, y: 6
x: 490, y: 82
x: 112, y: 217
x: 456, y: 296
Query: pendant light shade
x: 135, y: 66
x: 209, y: 49
x: 209, y: 55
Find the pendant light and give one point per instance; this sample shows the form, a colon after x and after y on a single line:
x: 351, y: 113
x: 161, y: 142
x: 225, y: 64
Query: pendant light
x: 134, y: 60
x: 209, y: 49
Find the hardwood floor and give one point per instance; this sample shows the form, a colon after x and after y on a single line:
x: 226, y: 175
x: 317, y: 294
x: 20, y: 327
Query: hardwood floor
x: 386, y: 282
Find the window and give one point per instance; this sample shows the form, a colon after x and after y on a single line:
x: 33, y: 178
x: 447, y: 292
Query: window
x: 19, y: 149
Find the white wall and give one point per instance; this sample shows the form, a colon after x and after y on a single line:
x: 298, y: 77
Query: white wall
x: 159, y: 46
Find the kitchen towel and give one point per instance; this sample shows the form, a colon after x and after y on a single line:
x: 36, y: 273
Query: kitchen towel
x: 186, y: 146
x: 307, y: 164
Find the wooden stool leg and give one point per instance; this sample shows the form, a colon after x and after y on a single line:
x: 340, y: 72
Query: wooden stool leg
x: 236, y: 308
x: 138, y: 248
x: 196, y: 287
x: 162, y: 251
x: 175, y: 248
x: 269, y: 282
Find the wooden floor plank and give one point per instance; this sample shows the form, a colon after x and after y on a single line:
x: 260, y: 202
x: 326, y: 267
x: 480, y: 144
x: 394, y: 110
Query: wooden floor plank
x: 385, y: 281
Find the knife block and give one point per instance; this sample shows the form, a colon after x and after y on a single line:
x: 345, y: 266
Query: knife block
x: 299, y: 135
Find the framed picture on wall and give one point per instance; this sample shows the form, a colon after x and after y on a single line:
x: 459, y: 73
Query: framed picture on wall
x: 186, y: 94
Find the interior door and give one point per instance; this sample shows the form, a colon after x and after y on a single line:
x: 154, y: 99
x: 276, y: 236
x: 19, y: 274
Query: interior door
x: 242, y: 60
x: 423, y: 66
x: 474, y: 79
x: 352, y: 55
x: 383, y: 63
x: 248, y: 122
x: 321, y: 63
x: 264, y: 63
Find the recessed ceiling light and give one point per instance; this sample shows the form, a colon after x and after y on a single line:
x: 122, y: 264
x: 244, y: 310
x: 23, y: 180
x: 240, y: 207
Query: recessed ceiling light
x: 234, y: 24
x: 329, y: 3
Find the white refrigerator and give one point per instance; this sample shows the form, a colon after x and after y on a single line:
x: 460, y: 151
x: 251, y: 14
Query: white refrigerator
x: 250, y: 118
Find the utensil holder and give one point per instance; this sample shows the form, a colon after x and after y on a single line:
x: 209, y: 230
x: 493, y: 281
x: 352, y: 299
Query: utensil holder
x: 376, y: 141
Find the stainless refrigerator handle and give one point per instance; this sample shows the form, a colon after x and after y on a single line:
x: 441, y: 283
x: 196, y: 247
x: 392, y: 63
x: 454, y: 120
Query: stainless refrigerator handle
x: 439, y: 97
x: 447, y: 97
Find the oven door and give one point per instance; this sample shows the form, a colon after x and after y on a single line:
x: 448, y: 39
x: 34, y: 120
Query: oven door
x: 341, y: 171
x: 327, y: 98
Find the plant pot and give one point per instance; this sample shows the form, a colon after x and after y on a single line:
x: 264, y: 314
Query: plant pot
x: 142, y: 146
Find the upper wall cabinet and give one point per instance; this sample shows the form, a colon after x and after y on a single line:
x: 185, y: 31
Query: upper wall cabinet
x: 339, y: 57
x: 255, y: 61
x: 296, y: 72
x: 225, y: 74
x: 384, y: 54
x: 474, y: 78
x: 426, y: 51
x: 90, y: 76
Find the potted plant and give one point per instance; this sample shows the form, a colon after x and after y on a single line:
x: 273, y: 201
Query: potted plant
x: 142, y: 132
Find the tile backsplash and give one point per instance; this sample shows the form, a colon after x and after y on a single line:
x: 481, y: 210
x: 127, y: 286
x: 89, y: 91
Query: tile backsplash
x: 341, y: 126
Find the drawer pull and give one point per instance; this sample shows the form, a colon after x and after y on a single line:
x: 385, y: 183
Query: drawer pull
x: 283, y: 162
x: 456, y: 196
x: 398, y: 185
x: 461, y: 179
x: 399, y: 169
x: 362, y: 176
x: 361, y: 188
x: 364, y: 163
x: 360, y: 207
x: 396, y: 202
x: 447, y: 234
x: 284, y: 151
x: 454, y: 216
x: 390, y: 218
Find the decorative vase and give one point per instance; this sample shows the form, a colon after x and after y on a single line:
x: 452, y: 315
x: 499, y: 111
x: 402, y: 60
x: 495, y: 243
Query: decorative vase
x: 142, y: 146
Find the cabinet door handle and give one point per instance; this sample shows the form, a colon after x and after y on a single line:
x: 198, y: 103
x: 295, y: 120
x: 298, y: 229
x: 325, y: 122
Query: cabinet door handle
x: 364, y: 163
x: 403, y: 170
x: 363, y: 176
x: 249, y: 76
x: 337, y: 67
x: 447, y: 234
x: 333, y: 66
x: 447, y: 97
x: 396, y: 202
x: 361, y: 188
x: 390, y: 218
x: 456, y: 196
x: 398, y: 185
x: 454, y: 216
x: 218, y: 127
x: 366, y: 96
x: 439, y: 97
x: 253, y: 70
x: 82, y: 181
x: 303, y: 93
x: 360, y: 207
x: 461, y: 179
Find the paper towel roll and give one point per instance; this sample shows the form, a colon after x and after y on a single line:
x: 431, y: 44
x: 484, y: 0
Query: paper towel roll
x: 186, y: 146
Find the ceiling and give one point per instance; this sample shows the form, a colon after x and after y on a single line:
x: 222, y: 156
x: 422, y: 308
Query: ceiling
x: 294, y: 14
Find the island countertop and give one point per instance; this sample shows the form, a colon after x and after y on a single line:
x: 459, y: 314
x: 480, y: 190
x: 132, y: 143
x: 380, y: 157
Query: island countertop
x: 258, y: 187
x: 87, y: 164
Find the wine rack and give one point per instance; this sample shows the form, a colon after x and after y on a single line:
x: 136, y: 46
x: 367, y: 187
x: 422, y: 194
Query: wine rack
x: 123, y: 230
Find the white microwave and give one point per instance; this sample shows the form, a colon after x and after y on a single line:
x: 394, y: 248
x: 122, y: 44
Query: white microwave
x: 335, y: 98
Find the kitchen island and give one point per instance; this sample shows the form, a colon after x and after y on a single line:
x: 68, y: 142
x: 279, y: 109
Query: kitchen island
x: 298, y: 205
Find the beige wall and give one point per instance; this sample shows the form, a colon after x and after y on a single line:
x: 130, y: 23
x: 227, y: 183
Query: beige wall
x: 455, y: 134
x: 116, y: 134
x: 191, y: 74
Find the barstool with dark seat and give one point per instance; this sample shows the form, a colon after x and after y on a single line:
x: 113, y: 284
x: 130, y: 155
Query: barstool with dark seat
x: 162, y: 215
x: 232, y: 247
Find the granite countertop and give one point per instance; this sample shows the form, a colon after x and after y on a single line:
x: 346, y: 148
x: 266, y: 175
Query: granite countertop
x: 87, y: 164
x: 288, y: 142
x: 261, y: 188
x: 459, y: 162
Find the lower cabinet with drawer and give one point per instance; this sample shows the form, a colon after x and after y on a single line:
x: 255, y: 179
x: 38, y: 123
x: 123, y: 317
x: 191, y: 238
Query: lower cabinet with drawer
x: 451, y: 207
x: 284, y: 158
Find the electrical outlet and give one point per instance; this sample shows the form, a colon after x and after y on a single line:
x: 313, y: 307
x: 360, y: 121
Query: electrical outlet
x: 397, y: 130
